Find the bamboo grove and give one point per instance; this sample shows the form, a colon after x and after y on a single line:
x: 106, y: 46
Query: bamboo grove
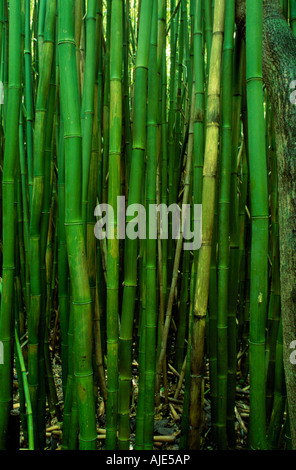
x: 161, y: 102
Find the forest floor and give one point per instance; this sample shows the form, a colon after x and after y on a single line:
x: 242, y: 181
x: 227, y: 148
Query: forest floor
x: 168, y: 416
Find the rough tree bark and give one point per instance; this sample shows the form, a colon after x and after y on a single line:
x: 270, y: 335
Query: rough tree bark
x: 279, y: 71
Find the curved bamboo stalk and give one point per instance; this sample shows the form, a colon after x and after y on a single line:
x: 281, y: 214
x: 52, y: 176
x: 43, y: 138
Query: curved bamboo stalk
x: 26, y: 391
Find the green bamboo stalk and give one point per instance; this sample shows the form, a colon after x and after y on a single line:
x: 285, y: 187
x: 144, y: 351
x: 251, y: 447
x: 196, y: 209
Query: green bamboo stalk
x: 199, y: 107
x: 242, y: 168
x: 106, y: 107
x: 284, y: 4
x: 135, y: 189
x: 186, y: 46
x: 10, y: 154
x: 62, y: 260
x: 115, y: 135
x: 79, y: 5
x: 179, y: 245
x: 26, y: 391
x: 41, y: 26
x: 5, y: 65
x: 34, y: 34
x: 247, y: 266
x: 90, y: 238
x: 126, y: 91
x: 95, y: 162
x: 70, y: 421
x: 182, y: 324
x: 208, y: 203
x: 208, y: 30
x: 99, y: 320
x: 151, y: 243
x: 45, y: 224
x: 167, y: 154
x: 141, y: 320
x: 1, y: 24
x: 25, y: 207
x: 173, y: 137
x: 259, y: 212
x: 36, y: 207
x: 185, y: 414
x: 224, y: 205
x: 81, y: 298
x: 293, y: 15
x: 162, y: 179
x: 200, y: 41
x: 234, y: 240
x: 22, y: 400
x: 161, y: 36
x: 28, y: 92
x: 87, y: 107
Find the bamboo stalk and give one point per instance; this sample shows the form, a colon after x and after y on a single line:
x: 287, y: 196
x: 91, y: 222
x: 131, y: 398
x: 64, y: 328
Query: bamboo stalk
x: 224, y: 220
x: 177, y: 253
x: 151, y: 243
x: 208, y: 203
x: 46, y: 48
x: 10, y: 153
x: 259, y: 212
x: 81, y: 298
x: 135, y: 190
x: 113, y: 244
x: 26, y: 392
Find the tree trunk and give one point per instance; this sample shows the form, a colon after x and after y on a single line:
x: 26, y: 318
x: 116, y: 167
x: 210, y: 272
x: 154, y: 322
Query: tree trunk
x: 279, y: 71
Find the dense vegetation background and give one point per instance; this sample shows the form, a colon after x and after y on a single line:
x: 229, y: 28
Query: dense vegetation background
x: 137, y: 342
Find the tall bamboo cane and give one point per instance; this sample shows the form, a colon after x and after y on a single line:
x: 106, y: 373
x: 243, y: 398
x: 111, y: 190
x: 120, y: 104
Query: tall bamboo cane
x: 81, y: 298
x: 88, y: 99
x: 10, y: 154
x: 259, y: 212
x: 115, y: 134
x: 224, y: 203
x: 208, y: 203
x: 151, y: 244
x: 37, y: 202
x: 135, y: 190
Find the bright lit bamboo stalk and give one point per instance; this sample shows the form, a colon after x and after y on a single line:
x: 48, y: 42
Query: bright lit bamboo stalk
x: 208, y: 204
x: 115, y: 135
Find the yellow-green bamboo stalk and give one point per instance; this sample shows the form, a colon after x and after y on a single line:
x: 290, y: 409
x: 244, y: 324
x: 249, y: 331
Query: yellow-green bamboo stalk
x: 208, y: 205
